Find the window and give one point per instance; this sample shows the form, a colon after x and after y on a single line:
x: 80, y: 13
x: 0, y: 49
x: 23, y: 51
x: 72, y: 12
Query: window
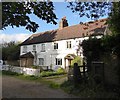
x: 34, y: 47
x: 41, y: 61
x: 55, y: 45
x: 68, y: 44
x: 58, y: 61
x: 43, y: 47
x: 24, y: 49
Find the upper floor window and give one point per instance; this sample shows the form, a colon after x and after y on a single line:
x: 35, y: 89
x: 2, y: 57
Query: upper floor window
x: 55, y: 45
x: 34, y: 47
x: 43, y: 47
x: 68, y: 44
x: 24, y: 49
x: 58, y: 61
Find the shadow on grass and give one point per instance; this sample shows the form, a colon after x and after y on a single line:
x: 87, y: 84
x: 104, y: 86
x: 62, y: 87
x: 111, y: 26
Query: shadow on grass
x: 85, y: 90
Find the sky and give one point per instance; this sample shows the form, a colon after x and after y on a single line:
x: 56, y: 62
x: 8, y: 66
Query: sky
x: 61, y: 10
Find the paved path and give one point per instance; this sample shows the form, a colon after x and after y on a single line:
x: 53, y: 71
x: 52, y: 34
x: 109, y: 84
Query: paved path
x: 17, y: 88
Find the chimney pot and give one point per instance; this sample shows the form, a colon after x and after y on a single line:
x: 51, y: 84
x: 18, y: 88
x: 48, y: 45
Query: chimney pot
x: 63, y: 23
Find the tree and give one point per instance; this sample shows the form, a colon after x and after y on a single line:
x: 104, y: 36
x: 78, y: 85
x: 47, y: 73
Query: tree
x: 17, y: 14
x: 10, y: 51
x: 92, y: 10
x: 95, y: 10
x: 114, y: 21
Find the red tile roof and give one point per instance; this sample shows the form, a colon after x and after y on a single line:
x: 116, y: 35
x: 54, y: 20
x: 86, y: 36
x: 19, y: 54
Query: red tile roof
x: 70, y: 32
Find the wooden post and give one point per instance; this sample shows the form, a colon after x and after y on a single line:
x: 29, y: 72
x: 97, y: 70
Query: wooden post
x: 76, y: 74
x: 84, y: 69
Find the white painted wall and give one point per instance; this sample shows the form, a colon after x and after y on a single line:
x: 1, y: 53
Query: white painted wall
x: 50, y: 54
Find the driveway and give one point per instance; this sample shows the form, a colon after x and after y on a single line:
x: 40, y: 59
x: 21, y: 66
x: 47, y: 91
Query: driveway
x: 17, y: 88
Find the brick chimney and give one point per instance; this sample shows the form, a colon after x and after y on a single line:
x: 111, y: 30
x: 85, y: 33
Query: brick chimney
x: 63, y: 23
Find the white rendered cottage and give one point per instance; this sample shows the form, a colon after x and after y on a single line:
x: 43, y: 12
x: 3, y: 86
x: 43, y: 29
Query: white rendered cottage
x: 56, y: 48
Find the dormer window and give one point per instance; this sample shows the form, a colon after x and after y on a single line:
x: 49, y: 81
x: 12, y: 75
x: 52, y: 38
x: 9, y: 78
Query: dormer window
x: 24, y: 49
x: 69, y: 44
x: 34, y: 47
x: 55, y: 46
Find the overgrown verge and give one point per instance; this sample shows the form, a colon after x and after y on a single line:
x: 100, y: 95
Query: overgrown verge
x: 85, y: 90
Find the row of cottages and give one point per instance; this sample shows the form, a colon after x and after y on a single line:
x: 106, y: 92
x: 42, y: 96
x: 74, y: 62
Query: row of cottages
x: 56, y: 48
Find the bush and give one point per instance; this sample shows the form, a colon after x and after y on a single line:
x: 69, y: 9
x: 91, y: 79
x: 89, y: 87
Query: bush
x: 52, y: 73
x: 10, y: 73
x: 60, y: 70
x: 34, y: 67
x: 78, y: 60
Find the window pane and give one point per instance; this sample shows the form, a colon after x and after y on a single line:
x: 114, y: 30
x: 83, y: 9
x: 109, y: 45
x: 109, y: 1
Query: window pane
x: 34, y: 47
x: 24, y: 49
x: 55, y: 45
x: 68, y: 44
x: 41, y: 61
x: 43, y: 47
x: 58, y: 61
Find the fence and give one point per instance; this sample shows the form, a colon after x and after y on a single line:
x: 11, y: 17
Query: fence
x: 22, y: 70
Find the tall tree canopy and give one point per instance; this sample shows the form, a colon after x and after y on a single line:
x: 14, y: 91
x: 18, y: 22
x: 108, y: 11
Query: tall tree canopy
x: 92, y: 10
x: 95, y: 10
x: 17, y: 14
x: 114, y: 21
x: 10, y: 51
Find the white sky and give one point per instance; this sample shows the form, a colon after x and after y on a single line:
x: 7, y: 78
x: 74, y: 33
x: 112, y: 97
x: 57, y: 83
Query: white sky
x: 13, y: 37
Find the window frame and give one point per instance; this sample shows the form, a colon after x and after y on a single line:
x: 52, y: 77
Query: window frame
x: 69, y: 44
x: 42, y: 47
x: 34, y: 47
x: 55, y: 46
x: 58, y: 61
x: 24, y: 49
x: 42, y: 61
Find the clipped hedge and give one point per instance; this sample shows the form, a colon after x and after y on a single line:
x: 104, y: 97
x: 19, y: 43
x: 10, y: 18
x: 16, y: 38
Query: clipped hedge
x: 60, y: 71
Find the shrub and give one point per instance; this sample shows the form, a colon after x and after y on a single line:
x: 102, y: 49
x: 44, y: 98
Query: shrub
x: 52, y: 73
x: 60, y: 70
x: 10, y: 73
x: 34, y: 67
x: 78, y: 60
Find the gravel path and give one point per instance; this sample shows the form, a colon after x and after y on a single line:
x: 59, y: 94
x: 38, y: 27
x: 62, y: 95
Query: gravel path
x: 17, y: 88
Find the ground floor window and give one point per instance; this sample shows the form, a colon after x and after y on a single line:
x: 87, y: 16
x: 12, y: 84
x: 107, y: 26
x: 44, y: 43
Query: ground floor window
x: 41, y: 61
x: 58, y: 61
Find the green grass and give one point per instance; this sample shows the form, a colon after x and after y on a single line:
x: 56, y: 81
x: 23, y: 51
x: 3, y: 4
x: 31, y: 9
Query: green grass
x: 10, y: 73
x: 43, y: 80
x: 50, y: 73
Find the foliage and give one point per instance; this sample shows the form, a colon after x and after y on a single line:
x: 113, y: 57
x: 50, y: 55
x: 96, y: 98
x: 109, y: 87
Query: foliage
x: 85, y: 90
x: 114, y: 19
x: 110, y: 46
x: 34, y: 67
x: 17, y: 14
x: 92, y: 48
x: 51, y: 73
x: 93, y: 10
x: 9, y: 73
x: 77, y: 60
x: 54, y: 85
x: 60, y: 70
x: 10, y: 51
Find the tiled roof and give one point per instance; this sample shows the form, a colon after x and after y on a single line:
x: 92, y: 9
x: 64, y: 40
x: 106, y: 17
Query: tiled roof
x: 70, y: 32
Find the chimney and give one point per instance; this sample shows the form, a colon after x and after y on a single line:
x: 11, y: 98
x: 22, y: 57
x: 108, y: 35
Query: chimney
x: 63, y: 23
